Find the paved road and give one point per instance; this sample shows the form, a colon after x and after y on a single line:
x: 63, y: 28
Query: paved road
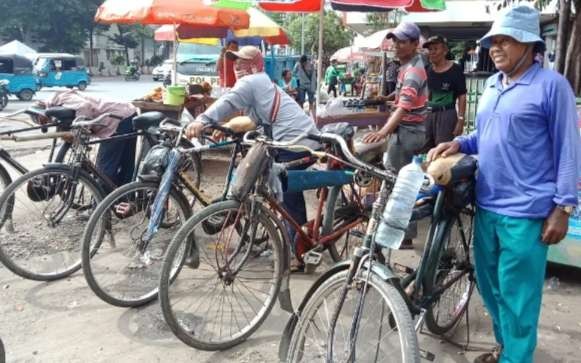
x: 111, y: 88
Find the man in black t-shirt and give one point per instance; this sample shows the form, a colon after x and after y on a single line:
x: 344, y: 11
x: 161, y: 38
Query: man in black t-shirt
x: 447, y: 85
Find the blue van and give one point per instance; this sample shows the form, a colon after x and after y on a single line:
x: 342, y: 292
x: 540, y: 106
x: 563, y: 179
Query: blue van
x: 61, y: 70
x: 18, y: 71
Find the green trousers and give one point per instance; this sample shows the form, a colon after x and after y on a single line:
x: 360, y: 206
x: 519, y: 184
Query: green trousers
x: 510, y: 263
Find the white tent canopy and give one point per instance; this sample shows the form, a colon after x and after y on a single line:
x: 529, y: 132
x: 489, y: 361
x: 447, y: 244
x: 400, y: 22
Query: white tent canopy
x: 19, y: 48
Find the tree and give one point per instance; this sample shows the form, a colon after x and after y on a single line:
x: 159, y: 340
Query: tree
x: 125, y: 37
x: 384, y: 20
x: 335, y: 35
x: 59, y: 25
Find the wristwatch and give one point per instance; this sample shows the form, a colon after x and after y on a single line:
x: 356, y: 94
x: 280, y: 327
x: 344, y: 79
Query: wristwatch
x: 566, y: 208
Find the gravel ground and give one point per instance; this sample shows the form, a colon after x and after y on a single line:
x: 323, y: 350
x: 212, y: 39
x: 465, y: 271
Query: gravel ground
x: 64, y: 321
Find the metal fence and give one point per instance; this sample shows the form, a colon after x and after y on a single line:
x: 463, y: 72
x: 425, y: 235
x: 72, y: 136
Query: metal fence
x: 474, y: 85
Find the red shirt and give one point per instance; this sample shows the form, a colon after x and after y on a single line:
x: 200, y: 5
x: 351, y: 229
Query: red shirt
x: 226, y: 73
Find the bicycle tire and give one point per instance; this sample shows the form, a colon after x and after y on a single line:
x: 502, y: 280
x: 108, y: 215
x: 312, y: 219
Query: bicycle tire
x: 175, y: 323
x: 399, y: 314
x: 432, y: 321
x: 5, y: 181
x: 62, y: 152
x: 329, y: 218
x: 64, y: 172
x: 94, y: 267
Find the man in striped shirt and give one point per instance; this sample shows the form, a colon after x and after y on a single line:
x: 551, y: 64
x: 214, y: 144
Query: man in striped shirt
x: 405, y: 127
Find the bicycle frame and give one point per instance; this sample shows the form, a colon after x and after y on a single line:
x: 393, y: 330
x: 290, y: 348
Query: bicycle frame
x: 316, y: 238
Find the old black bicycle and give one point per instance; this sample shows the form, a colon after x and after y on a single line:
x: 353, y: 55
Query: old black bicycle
x: 362, y: 310
x: 47, y: 208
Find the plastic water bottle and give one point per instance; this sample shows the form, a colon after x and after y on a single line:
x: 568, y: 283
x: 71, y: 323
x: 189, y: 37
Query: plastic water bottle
x: 398, y: 210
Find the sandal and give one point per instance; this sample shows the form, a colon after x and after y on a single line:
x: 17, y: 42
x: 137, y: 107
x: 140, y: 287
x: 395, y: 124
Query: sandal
x: 490, y: 357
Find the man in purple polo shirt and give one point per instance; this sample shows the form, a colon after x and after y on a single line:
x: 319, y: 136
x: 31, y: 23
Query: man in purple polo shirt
x: 527, y: 141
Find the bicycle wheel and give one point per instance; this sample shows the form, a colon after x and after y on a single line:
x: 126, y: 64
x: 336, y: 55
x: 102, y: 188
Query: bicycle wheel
x: 454, y: 268
x: 5, y: 180
x: 119, y: 266
x: 51, y: 206
x: 386, y: 332
x: 220, y: 302
x: 341, y: 208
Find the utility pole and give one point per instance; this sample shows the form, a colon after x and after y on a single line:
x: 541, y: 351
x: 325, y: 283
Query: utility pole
x: 302, y: 33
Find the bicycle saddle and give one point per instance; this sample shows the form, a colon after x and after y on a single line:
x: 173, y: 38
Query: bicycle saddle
x: 61, y: 113
x: 147, y: 120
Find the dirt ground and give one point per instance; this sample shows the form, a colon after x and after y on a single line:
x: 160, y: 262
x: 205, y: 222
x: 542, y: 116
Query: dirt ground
x: 64, y: 321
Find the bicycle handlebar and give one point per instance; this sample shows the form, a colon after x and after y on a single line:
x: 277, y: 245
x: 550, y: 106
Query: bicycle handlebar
x: 329, y: 138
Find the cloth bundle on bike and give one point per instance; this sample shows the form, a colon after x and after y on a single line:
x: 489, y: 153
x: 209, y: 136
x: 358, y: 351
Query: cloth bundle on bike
x: 154, y: 163
x: 250, y: 168
x: 44, y: 188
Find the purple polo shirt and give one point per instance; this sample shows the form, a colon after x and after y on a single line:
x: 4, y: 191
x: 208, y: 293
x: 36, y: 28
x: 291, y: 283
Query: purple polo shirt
x: 527, y: 141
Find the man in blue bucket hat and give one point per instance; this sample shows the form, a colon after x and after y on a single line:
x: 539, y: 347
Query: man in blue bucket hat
x: 528, y: 144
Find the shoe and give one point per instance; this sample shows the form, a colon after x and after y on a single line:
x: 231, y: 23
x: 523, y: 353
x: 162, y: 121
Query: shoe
x: 490, y: 357
x: 407, y: 244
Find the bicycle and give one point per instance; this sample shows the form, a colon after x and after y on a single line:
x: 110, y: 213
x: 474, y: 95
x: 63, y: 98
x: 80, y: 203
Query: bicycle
x: 141, y: 217
x: 360, y: 309
x: 245, y: 263
x: 61, y: 119
x: 48, y: 207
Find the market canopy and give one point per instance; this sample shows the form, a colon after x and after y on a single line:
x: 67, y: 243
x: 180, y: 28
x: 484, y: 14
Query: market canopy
x: 308, y: 6
x: 194, y: 12
x: 349, y: 54
x: 261, y: 27
x: 17, y: 47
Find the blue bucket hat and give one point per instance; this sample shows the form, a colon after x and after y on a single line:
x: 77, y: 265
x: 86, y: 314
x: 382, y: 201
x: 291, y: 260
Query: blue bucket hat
x: 520, y: 22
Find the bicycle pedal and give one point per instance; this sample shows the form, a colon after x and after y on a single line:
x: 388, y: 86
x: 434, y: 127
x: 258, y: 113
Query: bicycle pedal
x: 424, y: 354
x: 357, y: 234
x: 312, y: 260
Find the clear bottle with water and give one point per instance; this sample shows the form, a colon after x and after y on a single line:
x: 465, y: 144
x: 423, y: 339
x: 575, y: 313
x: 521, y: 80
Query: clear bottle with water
x: 398, y: 211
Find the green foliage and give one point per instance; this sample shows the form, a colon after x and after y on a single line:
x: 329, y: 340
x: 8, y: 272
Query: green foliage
x: 335, y: 34
x: 60, y: 25
x: 125, y: 36
x: 118, y: 60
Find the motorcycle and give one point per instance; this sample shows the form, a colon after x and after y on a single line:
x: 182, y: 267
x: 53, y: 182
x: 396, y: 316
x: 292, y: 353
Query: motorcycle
x: 3, y: 93
x: 132, y: 74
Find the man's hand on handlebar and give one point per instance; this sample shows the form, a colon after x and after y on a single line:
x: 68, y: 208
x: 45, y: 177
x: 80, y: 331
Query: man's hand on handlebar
x: 194, y: 130
x: 444, y: 149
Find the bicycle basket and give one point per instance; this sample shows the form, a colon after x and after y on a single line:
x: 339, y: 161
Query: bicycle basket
x: 251, y: 167
x: 154, y: 163
x: 43, y: 188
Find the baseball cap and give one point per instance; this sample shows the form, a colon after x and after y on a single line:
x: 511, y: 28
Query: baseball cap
x: 247, y: 52
x: 405, y: 31
x: 435, y: 39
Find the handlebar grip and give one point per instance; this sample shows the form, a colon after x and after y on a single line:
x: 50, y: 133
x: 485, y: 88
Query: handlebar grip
x: 222, y: 129
x: 321, y: 138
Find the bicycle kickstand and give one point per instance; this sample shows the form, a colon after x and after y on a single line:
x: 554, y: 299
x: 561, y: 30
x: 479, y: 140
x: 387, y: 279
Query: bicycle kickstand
x: 424, y: 354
